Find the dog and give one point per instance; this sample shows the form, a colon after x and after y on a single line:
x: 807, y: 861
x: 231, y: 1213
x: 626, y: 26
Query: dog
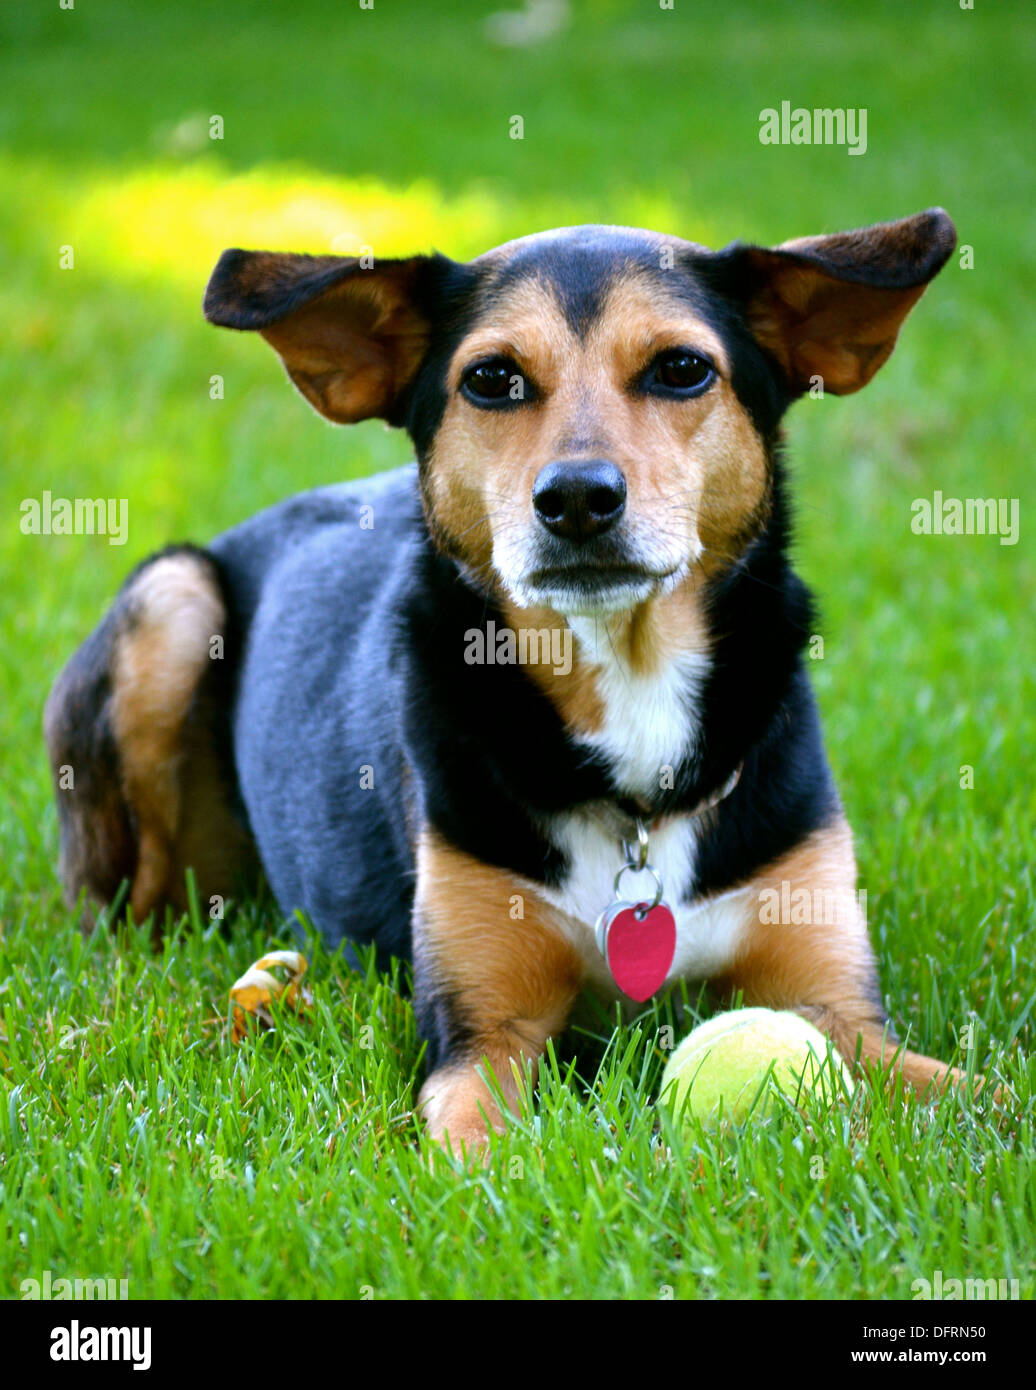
x: 359, y: 690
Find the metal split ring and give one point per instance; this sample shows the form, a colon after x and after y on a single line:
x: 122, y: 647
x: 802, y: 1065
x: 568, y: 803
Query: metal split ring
x: 641, y: 868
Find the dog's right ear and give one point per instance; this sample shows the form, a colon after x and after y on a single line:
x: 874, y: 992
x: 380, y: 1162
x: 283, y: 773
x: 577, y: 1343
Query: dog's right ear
x: 351, y: 335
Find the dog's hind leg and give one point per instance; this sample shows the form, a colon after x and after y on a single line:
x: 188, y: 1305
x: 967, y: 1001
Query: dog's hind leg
x: 137, y: 731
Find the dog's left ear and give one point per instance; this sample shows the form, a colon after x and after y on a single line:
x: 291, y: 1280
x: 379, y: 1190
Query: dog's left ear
x: 832, y: 306
x: 350, y: 335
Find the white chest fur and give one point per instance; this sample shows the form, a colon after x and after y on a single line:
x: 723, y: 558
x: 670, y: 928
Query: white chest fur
x: 707, y: 933
x: 651, y: 723
x: 650, y: 720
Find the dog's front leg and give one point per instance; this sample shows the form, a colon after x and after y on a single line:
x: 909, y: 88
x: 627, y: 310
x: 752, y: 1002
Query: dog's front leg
x: 805, y: 947
x: 493, y: 977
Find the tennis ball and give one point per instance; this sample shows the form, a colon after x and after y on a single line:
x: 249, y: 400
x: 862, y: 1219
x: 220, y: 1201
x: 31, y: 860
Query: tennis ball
x: 742, y: 1057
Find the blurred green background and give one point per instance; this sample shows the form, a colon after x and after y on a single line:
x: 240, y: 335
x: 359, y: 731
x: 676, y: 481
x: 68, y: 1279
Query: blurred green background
x: 390, y: 127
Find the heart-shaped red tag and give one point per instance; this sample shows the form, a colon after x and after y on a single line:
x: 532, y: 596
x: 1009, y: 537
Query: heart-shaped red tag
x: 640, y: 946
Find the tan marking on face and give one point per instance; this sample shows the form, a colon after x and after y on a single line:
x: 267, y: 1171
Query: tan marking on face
x: 471, y: 491
x: 573, y: 694
x: 696, y: 471
x: 648, y: 636
x: 511, y: 981
x: 643, y: 639
x: 703, y: 454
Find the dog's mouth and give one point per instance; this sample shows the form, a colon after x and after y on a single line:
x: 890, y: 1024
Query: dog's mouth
x: 595, y: 589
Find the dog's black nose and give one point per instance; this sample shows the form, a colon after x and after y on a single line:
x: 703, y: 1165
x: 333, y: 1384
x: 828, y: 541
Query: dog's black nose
x: 579, y: 500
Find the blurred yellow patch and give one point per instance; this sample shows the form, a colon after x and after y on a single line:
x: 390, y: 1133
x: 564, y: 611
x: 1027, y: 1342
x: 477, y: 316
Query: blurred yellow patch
x: 171, y: 221
x: 176, y: 221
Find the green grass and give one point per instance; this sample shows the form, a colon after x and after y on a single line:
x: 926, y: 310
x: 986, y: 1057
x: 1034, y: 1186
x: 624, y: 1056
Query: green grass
x: 135, y: 1141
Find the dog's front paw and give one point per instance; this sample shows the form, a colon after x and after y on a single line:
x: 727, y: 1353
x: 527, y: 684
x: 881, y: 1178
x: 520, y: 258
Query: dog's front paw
x: 459, y: 1112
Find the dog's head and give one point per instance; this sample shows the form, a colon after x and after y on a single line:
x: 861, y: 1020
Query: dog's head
x: 594, y: 408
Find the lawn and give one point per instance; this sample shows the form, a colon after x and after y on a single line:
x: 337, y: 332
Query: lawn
x: 135, y: 1140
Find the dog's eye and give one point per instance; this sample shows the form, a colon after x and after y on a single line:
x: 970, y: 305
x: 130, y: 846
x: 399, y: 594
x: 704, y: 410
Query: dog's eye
x: 681, y: 370
x: 497, y: 379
